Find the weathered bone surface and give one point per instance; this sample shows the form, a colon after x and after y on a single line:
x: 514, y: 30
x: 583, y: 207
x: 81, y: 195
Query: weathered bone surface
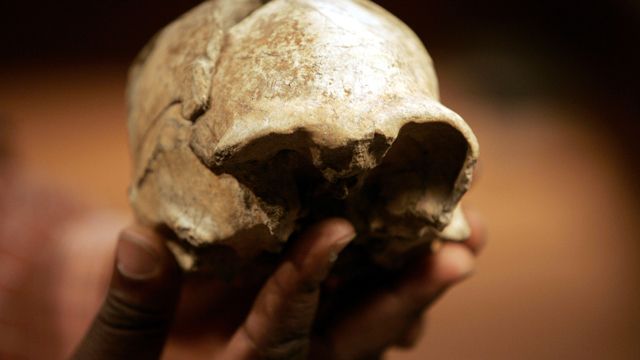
x: 249, y: 118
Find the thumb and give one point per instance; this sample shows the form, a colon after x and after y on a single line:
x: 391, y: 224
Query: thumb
x: 137, y: 313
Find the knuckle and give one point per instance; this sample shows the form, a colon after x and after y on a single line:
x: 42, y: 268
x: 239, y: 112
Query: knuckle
x: 119, y: 313
x: 283, y: 345
x: 296, y: 348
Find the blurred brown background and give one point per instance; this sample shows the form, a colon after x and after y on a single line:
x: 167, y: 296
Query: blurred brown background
x: 550, y: 88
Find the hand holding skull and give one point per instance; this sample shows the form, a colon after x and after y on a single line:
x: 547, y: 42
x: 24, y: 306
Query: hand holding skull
x: 253, y: 123
x: 138, y: 312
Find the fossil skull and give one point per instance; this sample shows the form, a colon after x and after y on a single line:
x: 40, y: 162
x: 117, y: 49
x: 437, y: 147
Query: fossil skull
x: 248, y: 118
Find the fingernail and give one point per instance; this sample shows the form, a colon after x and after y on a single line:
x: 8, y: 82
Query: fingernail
x: 135, y: 260
x: 339, y: 245
x: 436, y: 245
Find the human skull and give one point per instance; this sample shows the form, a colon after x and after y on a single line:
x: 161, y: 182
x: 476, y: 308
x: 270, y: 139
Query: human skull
x: 248, y: 119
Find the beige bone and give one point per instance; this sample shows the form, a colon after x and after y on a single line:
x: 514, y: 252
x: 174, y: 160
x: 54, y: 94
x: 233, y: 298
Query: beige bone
x: 248, y: 117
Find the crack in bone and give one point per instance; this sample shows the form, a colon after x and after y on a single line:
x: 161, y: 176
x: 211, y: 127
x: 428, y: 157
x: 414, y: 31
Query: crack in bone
x: 251, y: 119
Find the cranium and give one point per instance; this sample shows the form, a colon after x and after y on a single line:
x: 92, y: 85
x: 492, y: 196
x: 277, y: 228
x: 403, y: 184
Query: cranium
x: 249, y: 118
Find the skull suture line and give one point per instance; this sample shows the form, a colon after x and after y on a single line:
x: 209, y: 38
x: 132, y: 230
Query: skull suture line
x: 249, y: 118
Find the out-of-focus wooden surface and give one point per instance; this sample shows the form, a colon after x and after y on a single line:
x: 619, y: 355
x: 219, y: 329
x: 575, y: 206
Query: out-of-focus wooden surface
x: 558, y: 280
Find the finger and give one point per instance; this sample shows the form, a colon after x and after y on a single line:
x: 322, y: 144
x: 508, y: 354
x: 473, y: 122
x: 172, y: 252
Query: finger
x: 386, y: 319
x: 135, y: 317
x: 412, y: 334
x: 280, y: 321
x: 478, y: 238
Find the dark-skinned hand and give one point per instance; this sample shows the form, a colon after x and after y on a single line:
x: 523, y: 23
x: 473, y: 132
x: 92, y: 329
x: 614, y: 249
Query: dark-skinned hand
x: 141, y: 308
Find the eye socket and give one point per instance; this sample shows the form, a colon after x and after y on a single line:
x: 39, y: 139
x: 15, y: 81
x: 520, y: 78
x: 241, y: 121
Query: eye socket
x: 412, y: 187
x: 414, y: 184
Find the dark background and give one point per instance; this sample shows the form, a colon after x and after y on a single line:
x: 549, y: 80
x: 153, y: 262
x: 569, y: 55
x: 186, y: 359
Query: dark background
x: 587, y: 52
x: 549, y: 87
